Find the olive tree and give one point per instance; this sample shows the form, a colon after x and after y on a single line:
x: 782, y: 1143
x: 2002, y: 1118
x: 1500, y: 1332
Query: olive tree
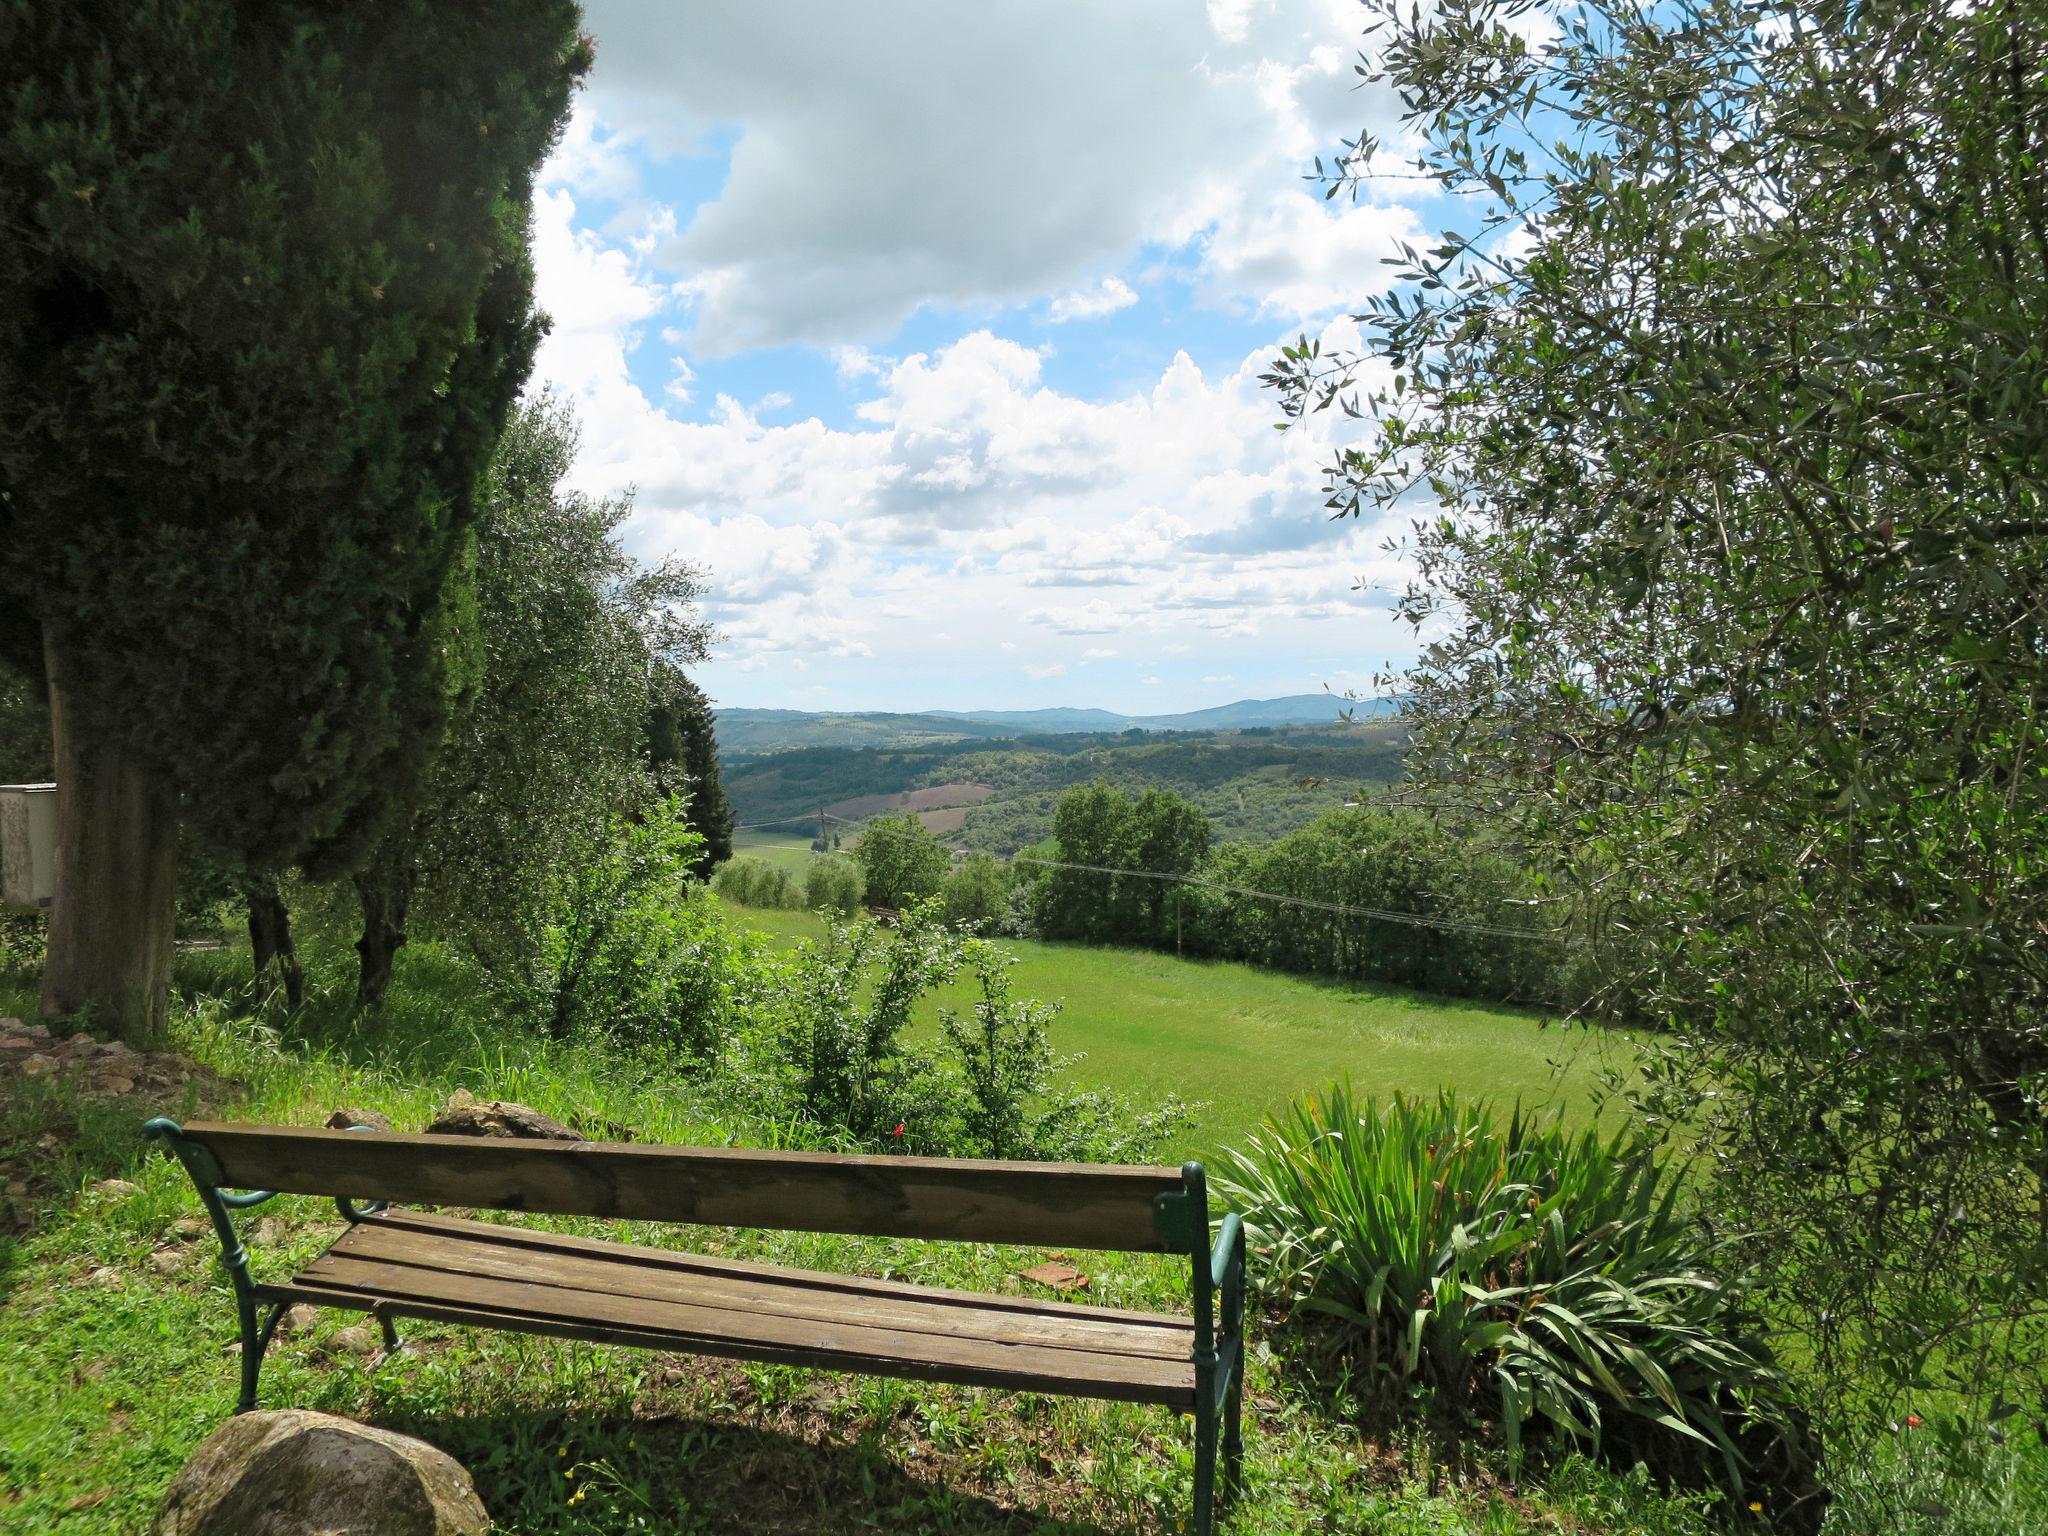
x: 547, y: 748
x: 1726, y: 405
x: 265, y: 303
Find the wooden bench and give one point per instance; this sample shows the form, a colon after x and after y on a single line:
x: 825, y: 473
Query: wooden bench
x: 396, y: 1263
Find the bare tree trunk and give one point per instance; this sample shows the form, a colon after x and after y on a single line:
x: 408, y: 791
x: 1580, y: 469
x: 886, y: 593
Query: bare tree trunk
x: 270, y: 936
x: 113, y: 910
x: 385, y: 889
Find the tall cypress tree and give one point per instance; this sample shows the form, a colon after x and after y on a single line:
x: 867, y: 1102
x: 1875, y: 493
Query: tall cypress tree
x: 265, y: 303
x: 682, y: 741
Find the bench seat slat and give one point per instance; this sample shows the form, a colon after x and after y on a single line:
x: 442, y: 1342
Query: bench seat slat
x: 1072, y: 1205
x: 997, y: 1356
x: 622, y: 1269
x: 818, y: 1279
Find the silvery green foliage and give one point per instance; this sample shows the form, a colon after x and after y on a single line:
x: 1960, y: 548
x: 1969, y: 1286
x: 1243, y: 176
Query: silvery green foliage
x: 1723, y: 413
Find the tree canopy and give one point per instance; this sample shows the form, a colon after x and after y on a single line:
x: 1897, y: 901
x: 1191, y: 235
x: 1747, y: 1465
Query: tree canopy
x: 545, y: 751
x: 1727, y: 406
x: 265, y: 302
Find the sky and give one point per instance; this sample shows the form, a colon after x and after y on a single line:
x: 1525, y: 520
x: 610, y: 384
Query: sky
x: 932, y: 331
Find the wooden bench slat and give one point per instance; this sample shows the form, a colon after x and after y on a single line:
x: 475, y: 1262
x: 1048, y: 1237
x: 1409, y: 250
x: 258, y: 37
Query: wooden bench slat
x: 773, y: 1274
x: 786, y: 1295
x: 1181, y: 1397
x: 1064, y: 1205
x: 847, y: 1345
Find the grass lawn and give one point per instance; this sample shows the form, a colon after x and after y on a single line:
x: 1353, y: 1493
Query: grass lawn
x: 115, y: 1320
x: 785, y: 850
x: 115, y: 1324
x: 1244, y: 1041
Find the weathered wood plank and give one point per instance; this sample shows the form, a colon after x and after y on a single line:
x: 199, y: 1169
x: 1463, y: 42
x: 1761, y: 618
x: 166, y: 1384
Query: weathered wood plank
x: 1049, y: 1204
x: 782, y: 1296
x: 1180, y: 1395
x: 813, y: 1279
x: 554, y: 1309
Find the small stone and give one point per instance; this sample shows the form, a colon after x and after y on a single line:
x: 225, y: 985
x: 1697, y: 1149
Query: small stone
x: 16, y: 1188
x: 16, y: 1043
x: 116, y: 1189
x: 297, y: 1319
x: 105, y: 1275
x: 114, y: 1048
x: 265, y: 1232
x: 357, y: 1339
x: 189, y: 1227
x: 351, y: 1117
x: 39, y: 1066
x: 114, y: 1083
x: 165, y: 1261
x: 33, y: 1031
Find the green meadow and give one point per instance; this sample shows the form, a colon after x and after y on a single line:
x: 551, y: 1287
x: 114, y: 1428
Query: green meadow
x: 785, y: 850
x: 1241, y: 1042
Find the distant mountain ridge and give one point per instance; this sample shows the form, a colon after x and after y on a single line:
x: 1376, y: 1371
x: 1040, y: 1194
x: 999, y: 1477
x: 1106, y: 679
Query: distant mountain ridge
x: 753, y: 732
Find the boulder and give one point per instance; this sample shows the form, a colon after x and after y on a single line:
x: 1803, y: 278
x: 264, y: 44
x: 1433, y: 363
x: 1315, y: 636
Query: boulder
x: 467, y: 1115
x: 295, y: 1473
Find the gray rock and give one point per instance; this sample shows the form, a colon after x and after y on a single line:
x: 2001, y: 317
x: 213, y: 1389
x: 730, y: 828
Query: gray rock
x: 295, y: 1473
x: 346, y: 1119
x: 467, y: 1115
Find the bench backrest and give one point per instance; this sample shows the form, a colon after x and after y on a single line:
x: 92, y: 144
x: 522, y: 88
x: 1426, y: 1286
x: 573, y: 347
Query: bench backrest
x: 1076, y: 1205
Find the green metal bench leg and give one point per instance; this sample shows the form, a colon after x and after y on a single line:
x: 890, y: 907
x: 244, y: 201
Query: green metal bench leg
x: 255, y: 1341
x: 1205, y: 1473
x: 392, y: 1343
x: 1233, y: 1437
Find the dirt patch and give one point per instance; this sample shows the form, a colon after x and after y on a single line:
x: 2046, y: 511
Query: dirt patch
x: 938, y: 797
x: 948, y: 820
x: 57, y: 1089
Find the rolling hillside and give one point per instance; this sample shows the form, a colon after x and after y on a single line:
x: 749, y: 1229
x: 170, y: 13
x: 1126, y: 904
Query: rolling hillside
x: 756, y: 732
x: 1255, y: 783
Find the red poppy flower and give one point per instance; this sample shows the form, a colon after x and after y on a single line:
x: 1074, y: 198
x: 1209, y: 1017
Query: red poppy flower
x: 899, y: 1131
x: 1912, y: 1421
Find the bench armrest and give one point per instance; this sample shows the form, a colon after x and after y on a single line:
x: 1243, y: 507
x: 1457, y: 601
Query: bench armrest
x: 1229, y: 1251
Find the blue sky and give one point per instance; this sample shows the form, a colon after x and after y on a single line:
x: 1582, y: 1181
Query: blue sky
x: 932, y: 331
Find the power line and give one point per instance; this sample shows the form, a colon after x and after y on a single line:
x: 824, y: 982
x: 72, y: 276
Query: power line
x: 1379, y: 914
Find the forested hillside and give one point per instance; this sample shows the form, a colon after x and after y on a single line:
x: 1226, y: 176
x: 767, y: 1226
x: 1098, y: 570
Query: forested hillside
x: 1255, y: 784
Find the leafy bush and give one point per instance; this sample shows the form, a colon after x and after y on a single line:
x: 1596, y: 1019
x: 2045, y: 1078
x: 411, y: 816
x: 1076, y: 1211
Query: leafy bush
x: 903, y: 861
x: 975, y: 894
x: 829, y: 1051
x: 757, y: 883
x: 834, y: 883
x: 635, y: 949
x: 1542, y: 1274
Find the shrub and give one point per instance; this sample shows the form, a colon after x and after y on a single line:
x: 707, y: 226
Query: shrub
x: 829, y: 1053
x: 757, y: 883
x: 903, y: 862
x: 975, y: 896
x: 635, y: 950
x: 1541, y: 1274
x: 834, y: 883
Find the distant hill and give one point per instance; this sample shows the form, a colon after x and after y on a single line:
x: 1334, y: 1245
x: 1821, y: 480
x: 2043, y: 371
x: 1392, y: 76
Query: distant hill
x: 1255, y: 782
x: 756, y: 732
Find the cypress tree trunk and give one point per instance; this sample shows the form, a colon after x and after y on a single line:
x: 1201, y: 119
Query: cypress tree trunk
x: 385, y: 890
x: 113, y: 910
x: 270, y: 936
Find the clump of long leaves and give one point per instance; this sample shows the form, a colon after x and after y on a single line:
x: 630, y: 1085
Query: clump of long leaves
x: 1531, y: 1271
